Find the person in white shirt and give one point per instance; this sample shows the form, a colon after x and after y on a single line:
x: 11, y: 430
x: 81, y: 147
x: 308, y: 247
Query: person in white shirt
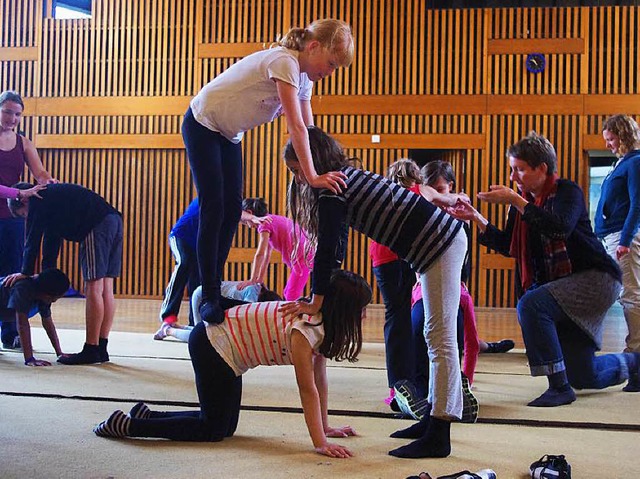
x: 254, y: 91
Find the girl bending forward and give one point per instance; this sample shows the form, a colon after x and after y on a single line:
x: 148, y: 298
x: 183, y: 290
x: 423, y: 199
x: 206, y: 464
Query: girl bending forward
x: 417, y: 231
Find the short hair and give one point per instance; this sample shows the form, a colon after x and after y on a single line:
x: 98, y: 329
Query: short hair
x: 535, y: 150
x: 10, y: 95
x: 15, y: 203
x: 52, y: 281
x: 257, y: 206
x: 437, y: 169
x: 405, y: 172
x: 627, y: 131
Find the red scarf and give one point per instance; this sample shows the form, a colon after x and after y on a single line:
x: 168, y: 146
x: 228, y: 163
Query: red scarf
x: 556, y: 258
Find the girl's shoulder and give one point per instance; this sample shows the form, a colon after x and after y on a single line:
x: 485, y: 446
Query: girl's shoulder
x: 632, y: 158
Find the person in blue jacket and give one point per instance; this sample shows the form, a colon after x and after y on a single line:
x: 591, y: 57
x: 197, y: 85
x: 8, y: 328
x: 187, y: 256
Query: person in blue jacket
x: 618, y: 216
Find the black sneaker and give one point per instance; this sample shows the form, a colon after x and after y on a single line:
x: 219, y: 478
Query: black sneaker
x: 408, y: 400
x: 90, y: 354
x: 15, y: 344
x: 470, y: 405
x: 501, y: 346
x: 550, y: 467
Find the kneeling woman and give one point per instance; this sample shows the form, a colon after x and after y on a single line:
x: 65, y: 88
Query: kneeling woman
x: 568, y: 280
x: 222, y: 353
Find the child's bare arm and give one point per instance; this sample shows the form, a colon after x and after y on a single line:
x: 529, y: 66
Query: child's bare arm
x: 301, y: 354
x: 333, y: 180
x: 320, y: 376
x: 24, y: 331
x: 50, y: 328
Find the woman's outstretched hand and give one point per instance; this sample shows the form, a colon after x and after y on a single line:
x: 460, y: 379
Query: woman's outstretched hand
x: 462, y: 211
x: 498, y: 194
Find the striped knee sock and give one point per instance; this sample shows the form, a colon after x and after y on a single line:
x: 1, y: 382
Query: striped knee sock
x: 116, y: 426
x: 139, y: 411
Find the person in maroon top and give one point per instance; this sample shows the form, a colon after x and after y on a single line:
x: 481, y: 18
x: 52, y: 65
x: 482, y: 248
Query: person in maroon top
x: 15, y: 152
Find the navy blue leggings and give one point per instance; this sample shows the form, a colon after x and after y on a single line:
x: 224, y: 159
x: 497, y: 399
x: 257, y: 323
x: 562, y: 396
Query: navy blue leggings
x: 11, y: 248
x: 219, y: 392
x: 216, y: 166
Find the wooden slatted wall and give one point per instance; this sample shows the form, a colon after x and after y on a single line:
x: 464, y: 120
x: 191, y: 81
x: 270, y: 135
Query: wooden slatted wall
x: 105, y: 98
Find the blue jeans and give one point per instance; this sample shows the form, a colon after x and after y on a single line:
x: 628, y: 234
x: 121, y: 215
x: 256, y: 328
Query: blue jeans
x: 219, y: 393
x: 395, y: 281
x: 555, y: 343
x: 11, y: 249
x: 216, y: 166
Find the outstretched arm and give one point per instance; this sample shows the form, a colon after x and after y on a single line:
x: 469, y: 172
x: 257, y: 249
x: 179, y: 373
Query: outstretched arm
x: 302, y: 358
x: 24, y: 331
x: 50, y: 328
x: 333, y: 180
x: 261, y: 259
x: 320, y: 375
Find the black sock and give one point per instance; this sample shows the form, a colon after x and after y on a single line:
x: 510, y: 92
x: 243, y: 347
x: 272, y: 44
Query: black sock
x: 102, y: 346
x: 558, y: 380
x: 632, y: 362
x: 414, y: 431
x: 436, y: 442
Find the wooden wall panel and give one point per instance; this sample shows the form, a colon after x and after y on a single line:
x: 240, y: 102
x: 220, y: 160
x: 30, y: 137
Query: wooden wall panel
x: 106, y: 95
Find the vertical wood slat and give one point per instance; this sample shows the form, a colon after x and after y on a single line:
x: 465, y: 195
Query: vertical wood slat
x: 141, y: 48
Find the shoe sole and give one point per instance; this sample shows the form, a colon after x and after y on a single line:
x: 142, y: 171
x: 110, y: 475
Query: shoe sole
x: 415, y: 409
x: 470, y: 406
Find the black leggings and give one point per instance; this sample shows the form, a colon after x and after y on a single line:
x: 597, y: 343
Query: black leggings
x: 219, y: 392
x: 216, y: 167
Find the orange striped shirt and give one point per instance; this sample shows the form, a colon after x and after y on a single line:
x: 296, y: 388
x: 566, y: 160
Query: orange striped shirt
x: 256, y: 334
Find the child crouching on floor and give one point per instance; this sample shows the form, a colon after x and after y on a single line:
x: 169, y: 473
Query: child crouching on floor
x: 222, y: 353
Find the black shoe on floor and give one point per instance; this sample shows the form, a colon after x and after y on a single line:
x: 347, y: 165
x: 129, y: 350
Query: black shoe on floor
x: 90, y: 354
x: 501, y: 346
x: 15, y: 344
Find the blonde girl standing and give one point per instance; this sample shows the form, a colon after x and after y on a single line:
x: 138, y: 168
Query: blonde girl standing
x: 254, y: 91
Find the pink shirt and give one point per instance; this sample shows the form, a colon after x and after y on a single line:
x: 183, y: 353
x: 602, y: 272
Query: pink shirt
x: 281, y: 239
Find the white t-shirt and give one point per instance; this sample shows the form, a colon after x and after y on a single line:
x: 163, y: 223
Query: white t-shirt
x: 245, y: 95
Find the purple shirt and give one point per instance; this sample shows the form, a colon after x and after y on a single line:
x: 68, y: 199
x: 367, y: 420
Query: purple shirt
x: 11, y: 168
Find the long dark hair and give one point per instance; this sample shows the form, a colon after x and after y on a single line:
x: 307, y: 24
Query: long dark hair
x: 348, y: 295
x: 302, y: 200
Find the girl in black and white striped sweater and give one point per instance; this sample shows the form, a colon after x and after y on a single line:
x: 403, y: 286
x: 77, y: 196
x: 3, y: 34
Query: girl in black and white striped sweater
x: 419, y: 232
